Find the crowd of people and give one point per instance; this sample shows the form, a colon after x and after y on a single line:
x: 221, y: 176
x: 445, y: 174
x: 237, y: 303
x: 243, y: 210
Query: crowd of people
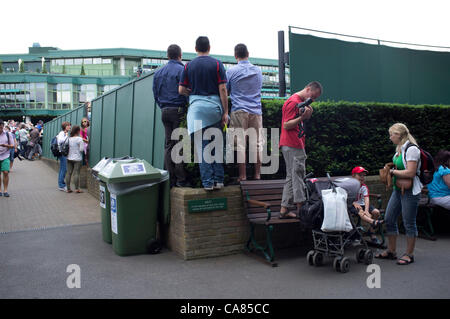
x: 204, y: 85
x: 17, y: 140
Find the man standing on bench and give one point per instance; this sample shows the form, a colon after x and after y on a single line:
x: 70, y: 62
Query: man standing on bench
x: 293, y: 147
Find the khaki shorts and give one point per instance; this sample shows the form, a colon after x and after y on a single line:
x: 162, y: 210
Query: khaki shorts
x: 242, y: 125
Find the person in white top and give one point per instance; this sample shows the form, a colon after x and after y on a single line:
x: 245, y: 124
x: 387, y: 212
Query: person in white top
x: 60, y: 138
x: 74, y: 159
x: 405, y: 196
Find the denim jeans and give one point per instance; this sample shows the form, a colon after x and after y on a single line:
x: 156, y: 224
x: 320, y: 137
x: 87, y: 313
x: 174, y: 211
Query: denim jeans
x: 171, y: 118
x: 62, y: 171
x: 407, y: 206
x: 210, y: 172
x: 23, y: 148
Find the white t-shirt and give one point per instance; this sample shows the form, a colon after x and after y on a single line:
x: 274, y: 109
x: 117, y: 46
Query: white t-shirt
x: 61, y: 137
x: 23, y: 135
x: 362, y: 194
x: 76, y: 147
x: 413, y: 154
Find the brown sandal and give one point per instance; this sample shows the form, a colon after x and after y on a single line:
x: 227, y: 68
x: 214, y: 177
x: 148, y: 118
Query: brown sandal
x: 79, y: 191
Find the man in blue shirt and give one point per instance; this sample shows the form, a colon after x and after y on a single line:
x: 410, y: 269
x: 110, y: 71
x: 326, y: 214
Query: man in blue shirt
x: 204, y: 80
x: 244, y: 86
x: 173, y: 107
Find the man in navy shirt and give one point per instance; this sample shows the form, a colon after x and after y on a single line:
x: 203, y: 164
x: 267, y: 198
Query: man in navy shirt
x: 173, y: 107
x: 204, y: 81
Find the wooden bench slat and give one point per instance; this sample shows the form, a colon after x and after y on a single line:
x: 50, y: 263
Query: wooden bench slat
x: 266, y: 186
x: 255, y: 210
x: 263, y: 215
x: 263, y: 182
x: 254, y: 192
x: 274, y: 221
x: 265, y: 198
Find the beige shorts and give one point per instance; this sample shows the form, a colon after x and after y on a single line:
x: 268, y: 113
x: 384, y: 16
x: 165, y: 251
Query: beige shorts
x: 242, y: 125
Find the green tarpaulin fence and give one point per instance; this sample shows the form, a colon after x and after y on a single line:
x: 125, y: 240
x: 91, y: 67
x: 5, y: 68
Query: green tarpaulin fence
x: 354, y: 71
x: 124, y: 121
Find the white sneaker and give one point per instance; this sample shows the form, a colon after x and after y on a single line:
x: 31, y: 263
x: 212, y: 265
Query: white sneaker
x: 63, y: 189
x: 210, y: 188
x: 219, y: 186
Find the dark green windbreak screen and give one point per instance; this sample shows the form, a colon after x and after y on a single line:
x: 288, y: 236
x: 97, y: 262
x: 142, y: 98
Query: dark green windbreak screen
x: 127, y: 121
x: 361, y: 72
x: 124, y: 121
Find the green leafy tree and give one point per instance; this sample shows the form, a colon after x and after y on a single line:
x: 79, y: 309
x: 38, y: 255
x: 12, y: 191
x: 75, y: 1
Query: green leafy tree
x: 44, y: 68
x: 82, y: 70
x: 1, y: 66
x: 64, y: 69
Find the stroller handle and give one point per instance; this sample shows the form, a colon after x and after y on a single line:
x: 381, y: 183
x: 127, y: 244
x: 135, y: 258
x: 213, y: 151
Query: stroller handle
x: 308, y: 176
x: 332, y: 184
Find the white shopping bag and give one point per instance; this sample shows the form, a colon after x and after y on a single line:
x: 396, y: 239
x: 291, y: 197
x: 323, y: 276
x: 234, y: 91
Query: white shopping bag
x: 335, y: 216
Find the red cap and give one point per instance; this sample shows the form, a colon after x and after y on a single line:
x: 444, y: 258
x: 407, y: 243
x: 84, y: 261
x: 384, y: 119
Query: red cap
x: 359, y: 170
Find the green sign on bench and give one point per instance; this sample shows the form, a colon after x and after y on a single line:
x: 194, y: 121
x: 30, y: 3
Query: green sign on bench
x: 207, y: 205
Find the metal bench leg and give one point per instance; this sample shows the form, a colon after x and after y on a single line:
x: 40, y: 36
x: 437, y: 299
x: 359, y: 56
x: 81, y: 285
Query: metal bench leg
x: 269, y: 230
x: 429, y: 233
x: 268, y: 250
x: 251, y: 240
x: 430, y: 224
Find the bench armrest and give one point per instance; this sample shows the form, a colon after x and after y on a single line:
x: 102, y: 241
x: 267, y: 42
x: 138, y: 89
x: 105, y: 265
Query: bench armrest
x: 258, y: 203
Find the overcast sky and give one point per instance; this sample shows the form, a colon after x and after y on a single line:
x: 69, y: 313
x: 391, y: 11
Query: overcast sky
x: 155, y: 24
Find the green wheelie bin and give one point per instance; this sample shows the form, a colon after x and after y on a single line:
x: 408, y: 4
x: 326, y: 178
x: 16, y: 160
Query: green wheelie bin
x: 104, y: 195
x: 139, y: 197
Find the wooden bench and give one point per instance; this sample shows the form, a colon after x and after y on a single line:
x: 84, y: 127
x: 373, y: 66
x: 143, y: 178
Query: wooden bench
x: 262, y: 202
x: 425, y: 207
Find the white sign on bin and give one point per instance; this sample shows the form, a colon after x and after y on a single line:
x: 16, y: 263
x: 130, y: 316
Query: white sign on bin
x: 133, y: 169
x: 102, y: 197
x: 114, y: 214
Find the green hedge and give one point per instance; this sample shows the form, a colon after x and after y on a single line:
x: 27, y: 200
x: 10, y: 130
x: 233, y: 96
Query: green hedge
x: 342, y: 135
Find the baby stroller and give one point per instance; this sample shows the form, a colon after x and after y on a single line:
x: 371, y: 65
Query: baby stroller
x: 332, y: 244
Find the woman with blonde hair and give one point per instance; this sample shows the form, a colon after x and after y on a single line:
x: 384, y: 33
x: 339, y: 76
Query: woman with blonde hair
x: 406, y: 194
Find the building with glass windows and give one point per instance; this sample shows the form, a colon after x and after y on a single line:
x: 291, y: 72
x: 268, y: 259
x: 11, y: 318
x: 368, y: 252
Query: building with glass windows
x: 48, y: 82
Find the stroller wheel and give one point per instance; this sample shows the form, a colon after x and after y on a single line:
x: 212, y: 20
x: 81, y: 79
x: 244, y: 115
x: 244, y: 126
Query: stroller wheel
x: 318, y: 259
x: 337, y: 264
x: 368, y: 257
x: 360, y: 253
x: 345, y: 265
x: 309, y: 257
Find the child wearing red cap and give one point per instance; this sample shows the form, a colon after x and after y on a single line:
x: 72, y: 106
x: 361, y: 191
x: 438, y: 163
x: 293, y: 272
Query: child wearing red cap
x: 366, y: 211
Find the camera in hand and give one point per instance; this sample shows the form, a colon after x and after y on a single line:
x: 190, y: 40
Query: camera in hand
x: 301, y: 109
x: 301, y: 106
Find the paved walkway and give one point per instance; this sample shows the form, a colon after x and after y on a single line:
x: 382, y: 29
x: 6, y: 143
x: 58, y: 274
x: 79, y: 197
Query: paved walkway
x: 36, y: 202
x: 33, y: 264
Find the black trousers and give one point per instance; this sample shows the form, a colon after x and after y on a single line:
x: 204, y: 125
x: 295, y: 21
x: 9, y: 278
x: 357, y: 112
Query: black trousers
x: 171, y: 118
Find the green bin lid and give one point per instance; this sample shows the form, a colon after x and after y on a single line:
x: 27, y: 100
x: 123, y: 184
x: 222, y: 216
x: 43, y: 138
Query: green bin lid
x: 129, y: 170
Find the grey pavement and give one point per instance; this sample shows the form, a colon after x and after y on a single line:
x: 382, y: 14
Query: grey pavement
x: 33, y: 264
x: 36, y: 202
